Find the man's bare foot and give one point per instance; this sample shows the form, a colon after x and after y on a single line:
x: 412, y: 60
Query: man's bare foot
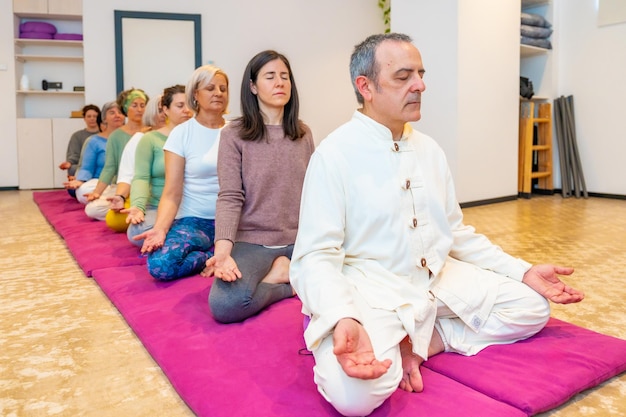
x: 411, y: 375
x: 279, y: 272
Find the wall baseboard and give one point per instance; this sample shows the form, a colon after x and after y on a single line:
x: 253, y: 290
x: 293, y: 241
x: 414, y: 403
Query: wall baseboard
x: 603, y: 195
x: 488, y: 201
x: 592, y: 194
x: 537, y: 192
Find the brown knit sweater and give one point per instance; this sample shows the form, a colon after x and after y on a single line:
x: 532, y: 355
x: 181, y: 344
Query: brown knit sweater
x: 260, y: 186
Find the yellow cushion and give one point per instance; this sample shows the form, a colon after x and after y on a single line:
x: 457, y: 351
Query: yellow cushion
x: 116, y: 220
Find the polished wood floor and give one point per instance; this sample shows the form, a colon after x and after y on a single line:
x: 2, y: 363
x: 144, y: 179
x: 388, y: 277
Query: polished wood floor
x: 66, y: 351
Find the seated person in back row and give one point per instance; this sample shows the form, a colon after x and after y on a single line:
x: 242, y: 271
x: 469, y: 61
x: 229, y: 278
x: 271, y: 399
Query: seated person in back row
x: 92, y: 157
x: 132, y: 103
x: 91, y: 116
x: 116, y: 218
x: 383, y: 264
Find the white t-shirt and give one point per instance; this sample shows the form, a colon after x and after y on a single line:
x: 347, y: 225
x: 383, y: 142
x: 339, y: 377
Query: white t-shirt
x: 198, y: 145
x: 126, y: 171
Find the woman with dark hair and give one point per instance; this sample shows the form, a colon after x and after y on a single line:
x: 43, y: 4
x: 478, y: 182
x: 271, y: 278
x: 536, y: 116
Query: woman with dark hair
x: 91, y: 116
x: 262, y: 159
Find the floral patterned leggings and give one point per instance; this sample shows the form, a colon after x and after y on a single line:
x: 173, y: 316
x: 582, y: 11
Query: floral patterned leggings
x: 188, y: 245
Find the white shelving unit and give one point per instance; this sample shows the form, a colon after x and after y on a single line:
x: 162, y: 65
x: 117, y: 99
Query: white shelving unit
x: 533, y: 6
x: 52, y: 60
x: 538, y: 64
x: 44, y: 123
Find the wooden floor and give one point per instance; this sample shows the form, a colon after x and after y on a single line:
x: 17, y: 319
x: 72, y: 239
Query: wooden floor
x: 66, y: 351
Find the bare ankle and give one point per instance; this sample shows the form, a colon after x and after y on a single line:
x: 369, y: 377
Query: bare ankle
x: 412, y: 377
x: 279, y: 272
x: 437, y: 344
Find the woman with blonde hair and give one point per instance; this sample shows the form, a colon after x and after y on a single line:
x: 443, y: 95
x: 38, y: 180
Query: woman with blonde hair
x: 180, y: 242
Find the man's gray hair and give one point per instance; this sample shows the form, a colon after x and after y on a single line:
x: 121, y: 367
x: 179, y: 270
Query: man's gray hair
x: 363, y: 59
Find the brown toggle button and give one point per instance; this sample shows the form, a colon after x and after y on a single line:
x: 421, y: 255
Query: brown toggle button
x: 415, y: 224
x: 423, y: 262
x: 396, y: 147
x: 407, y: 185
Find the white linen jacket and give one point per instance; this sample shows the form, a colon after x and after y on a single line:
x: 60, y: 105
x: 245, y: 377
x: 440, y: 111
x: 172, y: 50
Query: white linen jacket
x: 382, y: 217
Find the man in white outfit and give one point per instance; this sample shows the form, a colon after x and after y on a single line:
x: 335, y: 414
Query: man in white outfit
x: 383, y: 264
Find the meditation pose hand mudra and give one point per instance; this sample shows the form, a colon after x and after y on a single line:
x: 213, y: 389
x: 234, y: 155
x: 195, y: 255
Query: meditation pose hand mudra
x: 383, y: 264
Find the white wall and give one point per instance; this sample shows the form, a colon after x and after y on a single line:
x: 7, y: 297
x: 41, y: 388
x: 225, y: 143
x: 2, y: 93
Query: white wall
x: 471, y: 55
x: 434, y: 29
x: 592, y: 63
x: 8, y: 143
x: 317, y: 37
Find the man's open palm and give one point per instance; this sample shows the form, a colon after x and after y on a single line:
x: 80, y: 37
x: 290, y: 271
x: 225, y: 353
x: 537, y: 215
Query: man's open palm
x: 354, y: 351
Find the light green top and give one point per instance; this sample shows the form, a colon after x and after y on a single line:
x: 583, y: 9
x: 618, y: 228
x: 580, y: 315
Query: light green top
x: 115, y: 146
x: 149, y: 179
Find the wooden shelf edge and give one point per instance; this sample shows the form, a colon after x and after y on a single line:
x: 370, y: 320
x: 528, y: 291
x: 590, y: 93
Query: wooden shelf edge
x: 529, y: 50
x: 48, y: 58
x: 24, y: 15
x: 47, y: 42
x: 50, y: 92
x: 535, y: 98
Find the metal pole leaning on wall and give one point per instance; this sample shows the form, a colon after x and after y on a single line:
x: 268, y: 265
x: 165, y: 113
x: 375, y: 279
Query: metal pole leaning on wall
x: 560, y: 143
x: 576, y: 156
x: 572, y: 178
x: 570, y: 148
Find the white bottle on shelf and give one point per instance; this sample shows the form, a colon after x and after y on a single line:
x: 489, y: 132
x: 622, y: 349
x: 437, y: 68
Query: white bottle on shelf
x: 24, y: 83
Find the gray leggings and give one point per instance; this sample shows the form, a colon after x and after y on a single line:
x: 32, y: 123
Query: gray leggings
x: 235, y: 301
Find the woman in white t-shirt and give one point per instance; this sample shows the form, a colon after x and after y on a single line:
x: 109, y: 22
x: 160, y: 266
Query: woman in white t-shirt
x: 182, y: 238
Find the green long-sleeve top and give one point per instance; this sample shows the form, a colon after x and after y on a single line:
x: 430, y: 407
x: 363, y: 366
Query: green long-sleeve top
x: 149, y: 179
x: 115, y: 146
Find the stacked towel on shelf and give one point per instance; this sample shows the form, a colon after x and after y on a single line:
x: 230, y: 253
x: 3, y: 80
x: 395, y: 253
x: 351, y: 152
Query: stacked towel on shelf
x: 535, y: 30
x: 37, y: 30
x: 45, y: 30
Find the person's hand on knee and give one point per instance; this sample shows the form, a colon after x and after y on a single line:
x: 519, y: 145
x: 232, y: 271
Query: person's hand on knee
x: 545, y: 280
x: 354, y: 351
